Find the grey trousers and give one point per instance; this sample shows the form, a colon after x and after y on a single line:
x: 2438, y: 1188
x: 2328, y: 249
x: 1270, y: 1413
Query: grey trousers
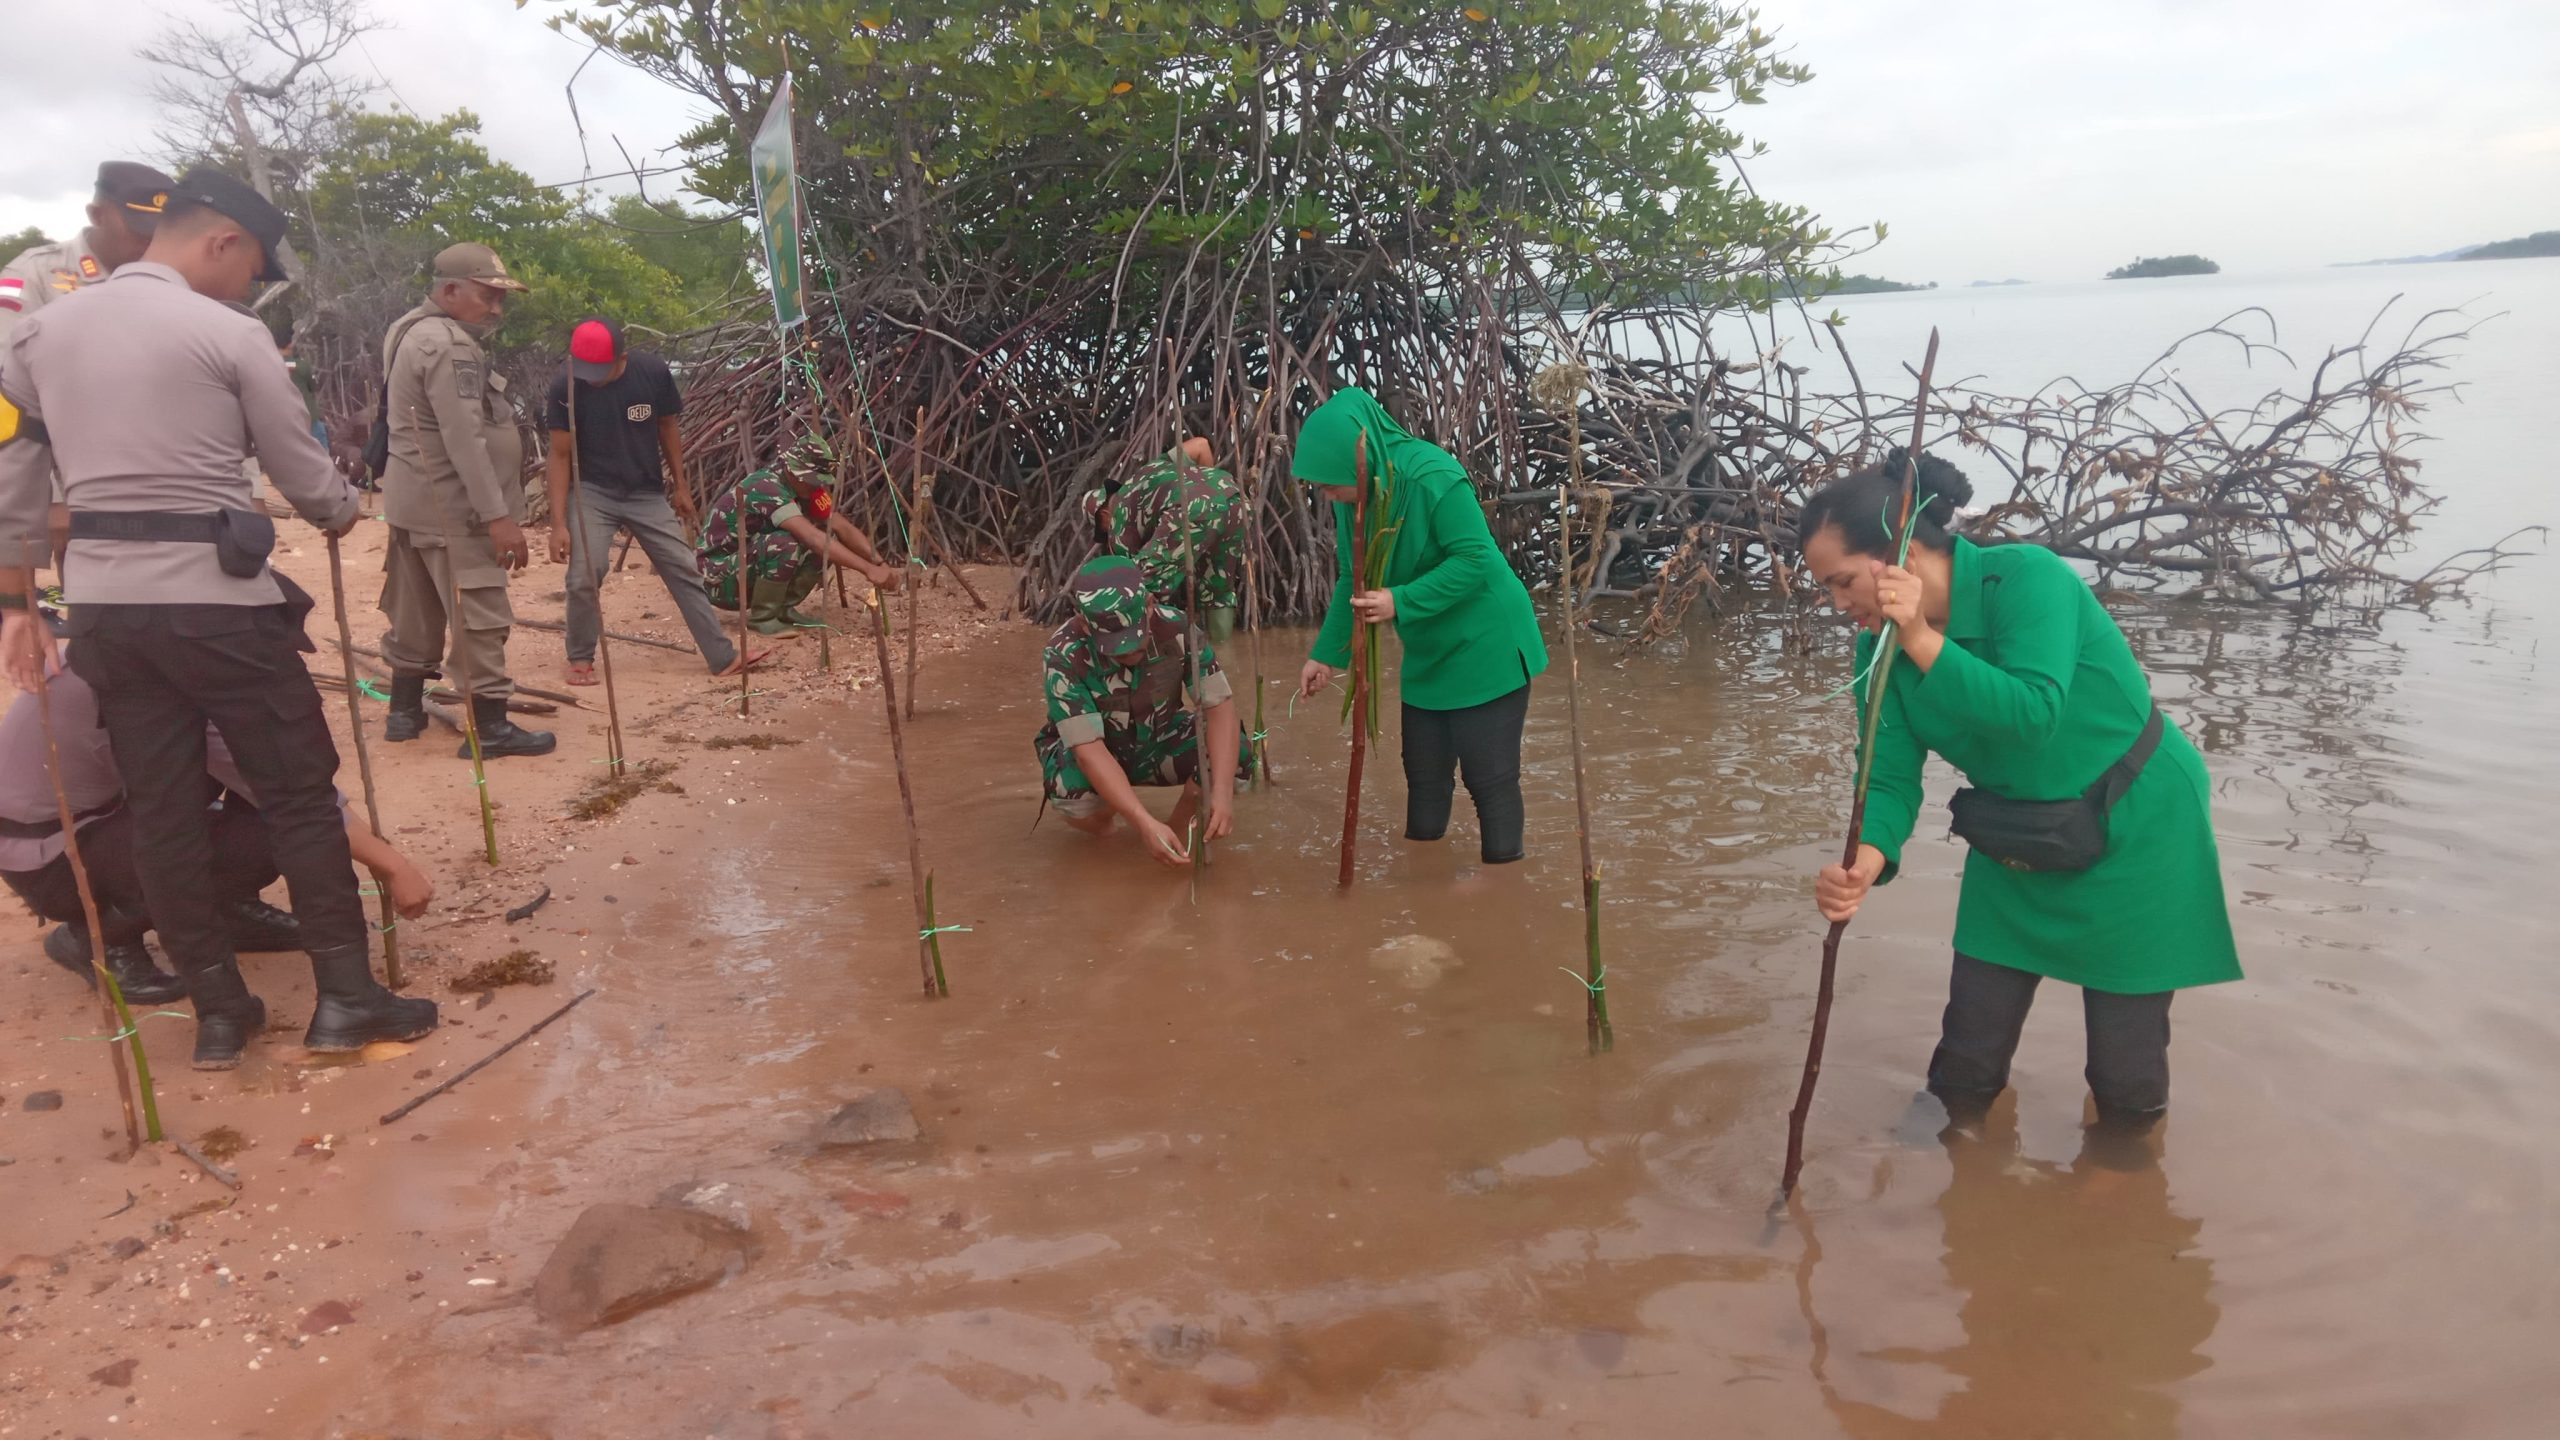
x: 595, y: 516
x: 1987, y: 1008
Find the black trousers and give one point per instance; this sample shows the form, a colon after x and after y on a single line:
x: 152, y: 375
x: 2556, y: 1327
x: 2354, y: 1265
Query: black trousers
x: 162, y: 673
x: 1482, y: 743
x: 243, y: 864
x: 1987, y: 1007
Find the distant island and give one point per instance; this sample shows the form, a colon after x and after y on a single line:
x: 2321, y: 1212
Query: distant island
x: 1869, y: 285
x: 1987, y: 284
x: 2151, y: 267
x: 2540, y: 243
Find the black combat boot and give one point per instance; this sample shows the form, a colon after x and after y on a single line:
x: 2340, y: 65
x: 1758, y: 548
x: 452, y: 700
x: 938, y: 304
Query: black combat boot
x: 500, y: 735
x: 143, y: 982
x: 228, y: 1017
x: 353, y: 1010
x: 259, y: 928
x: 408, y: 718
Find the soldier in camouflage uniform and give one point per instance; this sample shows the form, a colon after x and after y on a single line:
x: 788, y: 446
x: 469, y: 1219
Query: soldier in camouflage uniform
x: 1145, y: 518
x: 793, y: 534
x: 1116, y: 672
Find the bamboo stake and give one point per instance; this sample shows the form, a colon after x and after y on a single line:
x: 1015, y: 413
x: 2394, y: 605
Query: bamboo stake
x: 928, y: 933
x: 462, y: 680
x: 1885, y: 651
x: 604, y: 639
x: 364, y: 762
x: 1359, y: 660
x: 111, y: 1003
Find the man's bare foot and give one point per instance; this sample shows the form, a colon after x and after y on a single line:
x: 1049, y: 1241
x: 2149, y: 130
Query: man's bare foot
x: 743, y: 664
x: 582, y: 672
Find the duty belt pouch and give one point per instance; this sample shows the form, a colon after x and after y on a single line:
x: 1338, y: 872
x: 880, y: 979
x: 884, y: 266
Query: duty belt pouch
x: 2053, y: 835
x: 242, y: 541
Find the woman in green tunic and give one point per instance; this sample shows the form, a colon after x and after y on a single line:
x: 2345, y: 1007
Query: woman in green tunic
x: 2013, y: 672
x: 1470, y: 638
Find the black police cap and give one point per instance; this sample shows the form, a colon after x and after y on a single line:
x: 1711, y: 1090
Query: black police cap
x: 230, y: 196
x: 138, y: 189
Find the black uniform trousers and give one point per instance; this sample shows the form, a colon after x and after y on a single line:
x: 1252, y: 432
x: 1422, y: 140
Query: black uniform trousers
x: 162, y: 673
x: 1987, y: 1005
x: 1482, y: 743
x: 243, y: 865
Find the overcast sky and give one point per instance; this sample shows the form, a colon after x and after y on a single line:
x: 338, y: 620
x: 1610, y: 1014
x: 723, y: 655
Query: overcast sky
x: 1999, y: 138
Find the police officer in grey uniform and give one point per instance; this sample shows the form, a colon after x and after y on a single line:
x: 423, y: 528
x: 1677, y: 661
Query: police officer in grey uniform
x: 147, y: 392
x: 453, y: 494
x: 128, y: 204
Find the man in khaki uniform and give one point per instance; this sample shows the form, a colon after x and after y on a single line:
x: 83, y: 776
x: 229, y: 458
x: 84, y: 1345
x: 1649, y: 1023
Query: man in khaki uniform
x: 453, y: 494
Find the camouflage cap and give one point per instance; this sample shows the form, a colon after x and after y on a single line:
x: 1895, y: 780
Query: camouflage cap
x: 1111, y: 594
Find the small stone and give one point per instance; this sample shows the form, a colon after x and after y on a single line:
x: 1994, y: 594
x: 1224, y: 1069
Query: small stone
x: 127, y: 1248
x: 1180, y: 1346
x: 42, y: 1100
x: 326, y: 1316
x: 116, y: 1376
x: 619, y: 1260
x: 880, y: 1117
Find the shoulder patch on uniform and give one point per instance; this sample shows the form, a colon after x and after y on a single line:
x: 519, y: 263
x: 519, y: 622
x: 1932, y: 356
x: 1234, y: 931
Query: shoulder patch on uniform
x: 466, y: 378
x: 13, y: 293
x: 89, y: 267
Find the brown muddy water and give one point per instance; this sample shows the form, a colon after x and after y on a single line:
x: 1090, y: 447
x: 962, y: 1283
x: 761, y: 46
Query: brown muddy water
x: 1319, y: 1163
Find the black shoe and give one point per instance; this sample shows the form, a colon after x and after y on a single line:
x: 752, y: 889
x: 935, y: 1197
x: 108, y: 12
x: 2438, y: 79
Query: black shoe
x: 141, y: 981
x: 500, y: 736
x: 228, y: 1017
x: 260, y: 928
x: 353, y: 1011
x: 408, y: 718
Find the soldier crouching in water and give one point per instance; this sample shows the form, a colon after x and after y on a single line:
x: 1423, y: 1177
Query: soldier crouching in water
x: 1182, y: 519
x: 1116, y: 671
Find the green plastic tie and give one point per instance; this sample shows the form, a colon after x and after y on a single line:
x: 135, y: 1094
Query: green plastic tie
x: 371, y: 691
x: 1596, y: 987
x: 930, y: 931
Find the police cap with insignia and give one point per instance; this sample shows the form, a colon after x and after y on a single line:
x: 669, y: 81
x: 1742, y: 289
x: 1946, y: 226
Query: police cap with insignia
x: 229, y: 196
x: 138, y: 190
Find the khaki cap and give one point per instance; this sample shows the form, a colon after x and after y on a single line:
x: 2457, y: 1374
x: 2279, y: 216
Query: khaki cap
x: 476, y: 262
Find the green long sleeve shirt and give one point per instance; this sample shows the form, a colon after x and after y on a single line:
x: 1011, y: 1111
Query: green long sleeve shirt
x: 1464, y: 619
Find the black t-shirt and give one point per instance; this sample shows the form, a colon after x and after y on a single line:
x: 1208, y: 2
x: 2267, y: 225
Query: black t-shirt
x: 618, y: 425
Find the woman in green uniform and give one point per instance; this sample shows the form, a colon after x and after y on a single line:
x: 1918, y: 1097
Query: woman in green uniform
x: 1470, y: 638
x: 2013, y: 672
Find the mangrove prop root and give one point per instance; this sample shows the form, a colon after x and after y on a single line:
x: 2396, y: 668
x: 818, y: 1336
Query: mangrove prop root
x: 476, y: 1066
x: 1873, y: 714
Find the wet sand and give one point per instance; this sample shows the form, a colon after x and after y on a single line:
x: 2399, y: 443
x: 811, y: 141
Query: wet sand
x: 1329, y: 1164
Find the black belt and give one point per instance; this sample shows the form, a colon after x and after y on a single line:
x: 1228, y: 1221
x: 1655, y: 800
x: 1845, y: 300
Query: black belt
x: 51, y: 826
x: 144, y: 525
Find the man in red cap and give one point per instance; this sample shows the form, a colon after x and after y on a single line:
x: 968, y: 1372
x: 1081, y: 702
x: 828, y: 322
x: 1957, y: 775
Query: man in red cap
x: 629, y: 474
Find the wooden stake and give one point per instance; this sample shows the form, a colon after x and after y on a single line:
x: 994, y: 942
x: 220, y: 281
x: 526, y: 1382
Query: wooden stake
x: 746, y: 593
x: 1193, y: 635
x: 604, y: 639
x: 111, y: 1004
x: 476, y: 1066
x: 928, y: 937
x: 364, y: 763
x: 1885, y: 651
x: 454, y: 632
x: 1359, y: 660
x: 1597, y: 1033
x: 917, y: 519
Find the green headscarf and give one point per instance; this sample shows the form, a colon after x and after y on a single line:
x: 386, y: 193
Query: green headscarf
x: 1326, y: 442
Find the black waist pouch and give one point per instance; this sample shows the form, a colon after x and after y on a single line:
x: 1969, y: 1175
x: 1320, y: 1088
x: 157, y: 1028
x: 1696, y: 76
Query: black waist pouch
x: 241, y: 539
x: 2053, y: 835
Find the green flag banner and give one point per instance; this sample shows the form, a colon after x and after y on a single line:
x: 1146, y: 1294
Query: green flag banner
x: 778, y: 206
